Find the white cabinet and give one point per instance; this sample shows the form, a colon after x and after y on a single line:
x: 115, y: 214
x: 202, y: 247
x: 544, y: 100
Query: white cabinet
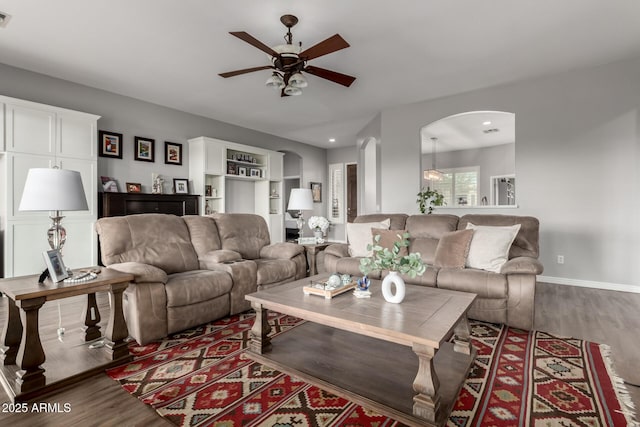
x: 34, y: 135
x: 233, y: 177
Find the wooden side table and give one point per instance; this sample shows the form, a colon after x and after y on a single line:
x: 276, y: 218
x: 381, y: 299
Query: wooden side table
x: 311, y: 251
x: 22, y: 356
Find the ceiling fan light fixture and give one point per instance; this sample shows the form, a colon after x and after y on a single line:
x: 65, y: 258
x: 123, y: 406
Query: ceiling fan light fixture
x: 275, y: 82
x: 292, y: 90
x: 298, y: 80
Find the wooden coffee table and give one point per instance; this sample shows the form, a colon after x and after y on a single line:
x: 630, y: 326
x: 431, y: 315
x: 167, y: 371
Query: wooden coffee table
x: 396, y: 358
x: 22, y: 356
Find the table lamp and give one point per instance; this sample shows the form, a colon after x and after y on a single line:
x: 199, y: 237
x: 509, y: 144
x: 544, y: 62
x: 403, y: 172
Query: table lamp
x: 54, y: 190
x: 300, y: 199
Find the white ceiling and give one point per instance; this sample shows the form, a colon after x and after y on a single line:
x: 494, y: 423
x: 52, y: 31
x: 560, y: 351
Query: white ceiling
x: 170, y: 52
x: 469, y: 130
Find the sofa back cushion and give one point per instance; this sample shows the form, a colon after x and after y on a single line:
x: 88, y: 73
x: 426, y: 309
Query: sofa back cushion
x: 155, y: 239
x: 397, y: 221
x: 243, y: 233
x: 425, y: 231
x: 204, y: 233
x: 526, y: 241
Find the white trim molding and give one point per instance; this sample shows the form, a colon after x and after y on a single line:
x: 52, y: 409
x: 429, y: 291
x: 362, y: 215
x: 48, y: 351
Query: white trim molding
x: 590, y: 284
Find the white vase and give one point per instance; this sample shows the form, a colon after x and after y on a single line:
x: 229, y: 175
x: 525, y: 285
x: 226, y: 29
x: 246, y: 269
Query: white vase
x: 319, y: 236
x: 393, y: 278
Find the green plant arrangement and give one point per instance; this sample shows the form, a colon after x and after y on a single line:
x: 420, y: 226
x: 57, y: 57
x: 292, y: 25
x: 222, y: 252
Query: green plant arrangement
x: 428, y: 198
x: 390, y: 259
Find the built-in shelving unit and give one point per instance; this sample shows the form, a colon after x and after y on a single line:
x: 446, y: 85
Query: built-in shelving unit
x: 233, y: 177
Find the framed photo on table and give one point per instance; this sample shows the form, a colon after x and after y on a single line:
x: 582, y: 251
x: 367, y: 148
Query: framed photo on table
x: 57, y: 270
x: 172, y: 153
x: 109, y: 144
x: 181, y: 186
x: 134, y: 187
x: 144, y: 149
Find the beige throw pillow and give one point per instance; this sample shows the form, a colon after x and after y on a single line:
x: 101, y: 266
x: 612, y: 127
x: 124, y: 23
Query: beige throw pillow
x: 359, y: 236
x: 490, y: 246
x: 453, y: 249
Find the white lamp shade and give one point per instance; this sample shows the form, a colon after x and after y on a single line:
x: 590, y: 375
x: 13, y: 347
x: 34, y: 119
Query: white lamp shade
x: 53, y: 190
x: 300, y: 199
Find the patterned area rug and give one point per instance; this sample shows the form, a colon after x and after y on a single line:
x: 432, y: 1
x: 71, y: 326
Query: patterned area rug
x: 202, y: 377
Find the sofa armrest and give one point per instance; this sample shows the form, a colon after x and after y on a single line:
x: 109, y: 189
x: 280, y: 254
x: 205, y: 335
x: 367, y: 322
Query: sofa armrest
x: 220, y: 256
x: 522, y: 265
x: 340, y: 250
x: 284, y: 250
x: 144, y: 273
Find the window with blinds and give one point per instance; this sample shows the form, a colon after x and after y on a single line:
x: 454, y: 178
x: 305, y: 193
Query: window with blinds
x: 459, y: 186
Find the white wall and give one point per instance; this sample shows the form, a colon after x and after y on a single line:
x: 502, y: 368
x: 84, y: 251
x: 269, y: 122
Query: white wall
x: 577, y: 152
x: 133, y: 117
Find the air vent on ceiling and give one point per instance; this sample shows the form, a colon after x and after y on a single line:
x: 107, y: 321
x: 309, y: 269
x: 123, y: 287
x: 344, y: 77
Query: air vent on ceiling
x: 492, y: 130
x: 4, y: 19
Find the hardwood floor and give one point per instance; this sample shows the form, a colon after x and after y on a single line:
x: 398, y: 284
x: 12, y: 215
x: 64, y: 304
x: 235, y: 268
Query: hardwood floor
x: 595, y: 315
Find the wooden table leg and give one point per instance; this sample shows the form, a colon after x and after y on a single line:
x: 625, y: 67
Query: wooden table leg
x: 116, y: 333
x: 311, y: 257
x: 30, y: 354
x: 462, y: 336
x: 260, y: 341
x: 11, y: 335
x: 91, y: 319
x: 426, y: 403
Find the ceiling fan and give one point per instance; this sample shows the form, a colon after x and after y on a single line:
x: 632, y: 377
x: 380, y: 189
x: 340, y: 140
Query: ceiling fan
x: 289, y: 61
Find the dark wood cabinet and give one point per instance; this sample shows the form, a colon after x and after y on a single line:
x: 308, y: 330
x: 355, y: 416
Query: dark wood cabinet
x: 119, y: 204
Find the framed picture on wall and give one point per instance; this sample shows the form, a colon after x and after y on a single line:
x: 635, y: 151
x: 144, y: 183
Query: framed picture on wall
x: 180, y: 186
x: 316, y: 190
x: 172, y: 153
x: 144, y: 149
x: 109, y: 144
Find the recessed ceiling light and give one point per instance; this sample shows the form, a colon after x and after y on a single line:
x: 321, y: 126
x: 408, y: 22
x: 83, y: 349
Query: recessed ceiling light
x: 487, y: 123
x: 4, y: 19
x: 332, y: 140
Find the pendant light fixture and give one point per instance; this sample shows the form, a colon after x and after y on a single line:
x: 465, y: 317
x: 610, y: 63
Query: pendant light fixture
x: 433, y: 174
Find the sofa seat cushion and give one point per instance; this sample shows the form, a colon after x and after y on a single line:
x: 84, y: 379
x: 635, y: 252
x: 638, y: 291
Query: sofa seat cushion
x: 274, y: 270
x: 483, y: 283
x: 351, y: 265
x: 196, y: 286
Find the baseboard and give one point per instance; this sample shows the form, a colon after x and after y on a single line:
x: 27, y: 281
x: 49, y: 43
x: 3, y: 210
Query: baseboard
x: 589, y: 284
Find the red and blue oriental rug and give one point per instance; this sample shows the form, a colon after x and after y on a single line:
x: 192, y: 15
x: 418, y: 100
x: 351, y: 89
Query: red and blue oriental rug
x: 203, y: 377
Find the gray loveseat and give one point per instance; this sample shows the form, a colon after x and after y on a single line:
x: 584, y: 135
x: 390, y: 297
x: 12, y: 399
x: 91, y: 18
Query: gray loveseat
x: 505, y: 297
x: 193, y: 269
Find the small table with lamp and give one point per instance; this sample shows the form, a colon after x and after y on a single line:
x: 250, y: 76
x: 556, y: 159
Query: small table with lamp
x: 25, y: 372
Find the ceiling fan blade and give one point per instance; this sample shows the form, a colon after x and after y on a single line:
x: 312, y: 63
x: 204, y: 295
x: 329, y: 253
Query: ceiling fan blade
x: 242, y: 35
x: 245, y: 71
x: 330, y: 45
x: 334, y: 76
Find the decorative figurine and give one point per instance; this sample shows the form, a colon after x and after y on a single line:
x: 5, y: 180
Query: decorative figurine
x: 156, y: 186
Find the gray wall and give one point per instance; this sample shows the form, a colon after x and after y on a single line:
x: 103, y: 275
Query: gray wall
x: 133, y: 117
x: 493, y: 161
x: 577, y: 163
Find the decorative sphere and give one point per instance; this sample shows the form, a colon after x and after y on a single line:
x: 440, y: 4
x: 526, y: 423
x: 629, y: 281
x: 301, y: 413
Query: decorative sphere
x: 346, y: 279
x: 334, y: 281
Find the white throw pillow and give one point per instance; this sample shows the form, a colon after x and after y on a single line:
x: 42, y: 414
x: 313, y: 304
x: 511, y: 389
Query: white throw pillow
x: 359, y: 236
x: 490, y: 246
